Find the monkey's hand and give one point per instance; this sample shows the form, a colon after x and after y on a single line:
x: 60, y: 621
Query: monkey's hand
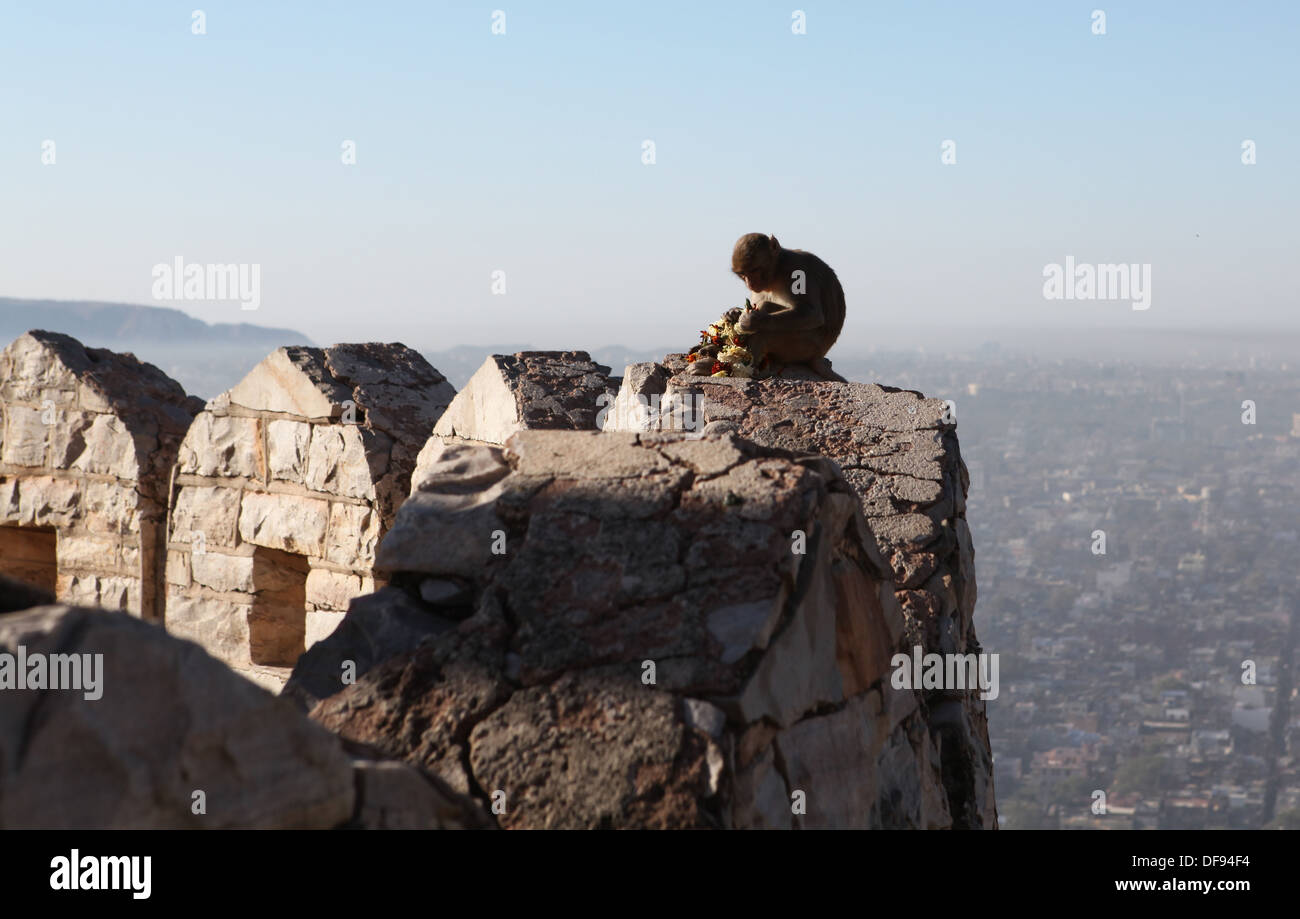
x: 777, y: 317
x: 755, y: 318
x: 758, y: 317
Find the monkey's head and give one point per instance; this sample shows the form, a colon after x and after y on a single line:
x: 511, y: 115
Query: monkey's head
x: 754, y: 260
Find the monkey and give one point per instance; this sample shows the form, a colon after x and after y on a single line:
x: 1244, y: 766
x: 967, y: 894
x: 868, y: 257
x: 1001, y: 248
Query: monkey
x: 797, y: 303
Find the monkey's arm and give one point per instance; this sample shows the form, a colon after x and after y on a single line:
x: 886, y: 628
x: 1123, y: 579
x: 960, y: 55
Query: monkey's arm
x: 770, y: 316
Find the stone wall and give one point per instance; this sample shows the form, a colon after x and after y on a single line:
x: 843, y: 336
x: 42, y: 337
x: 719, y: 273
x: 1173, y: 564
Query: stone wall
x: 87, y: 444
x: 159, y: 735
x: 530, y: 390
x: 283, y: 488
x: 622, y: 630
x: 899, y: 452
x: 686, y: 620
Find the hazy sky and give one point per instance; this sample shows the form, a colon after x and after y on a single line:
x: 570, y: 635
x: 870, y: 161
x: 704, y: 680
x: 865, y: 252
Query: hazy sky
x: 522, y: 152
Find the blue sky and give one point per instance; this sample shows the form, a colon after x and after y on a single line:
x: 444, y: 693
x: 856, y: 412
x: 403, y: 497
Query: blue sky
x: 522, y: 152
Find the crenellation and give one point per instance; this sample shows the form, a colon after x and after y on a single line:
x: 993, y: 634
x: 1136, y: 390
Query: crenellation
x: 89, y: 438
x: 511, y: 567
x: 285, y: 484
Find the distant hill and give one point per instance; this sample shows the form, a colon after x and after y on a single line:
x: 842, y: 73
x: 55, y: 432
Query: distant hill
x: 106, y: 325
x: 205, y: 358
x: 209, y: 358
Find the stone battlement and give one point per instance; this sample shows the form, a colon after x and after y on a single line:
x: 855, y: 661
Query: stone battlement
x: 698, y: 602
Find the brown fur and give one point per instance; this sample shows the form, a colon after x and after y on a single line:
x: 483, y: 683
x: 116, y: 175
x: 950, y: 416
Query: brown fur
x: 788, y: 327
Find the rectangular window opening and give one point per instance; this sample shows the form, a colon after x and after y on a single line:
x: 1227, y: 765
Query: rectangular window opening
x: 277, y: 623
x: 30, y: 555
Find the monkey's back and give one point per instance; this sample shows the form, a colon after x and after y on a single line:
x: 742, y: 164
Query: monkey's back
x: 833, y: 305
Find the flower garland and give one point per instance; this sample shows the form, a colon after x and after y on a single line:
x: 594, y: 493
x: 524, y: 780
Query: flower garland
x: 722, y: 346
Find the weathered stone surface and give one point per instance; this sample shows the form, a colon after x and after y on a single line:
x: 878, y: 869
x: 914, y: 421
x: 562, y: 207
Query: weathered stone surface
x: 88, y: 440
x: 90, y: 551
x: 319, y: 624
x: 337, y: 462
x: 288, y: 443
x: 309, y: 456
x: 25, y: 437
x: 761, y: 799
x: 50, y: 501
x: 209, y: 620
x: 332, y: 589
x: 223, y: 572
x: 420, y: 705
x: 19, y: 595
x: 292, y: 381
x: 395, y: 796
x: 461, y: 512
x: 742, y: 627
x: 637, y: 405
x: 859, y: 767
x: 966, y: 761
x: 908, y: 531
x: 594, y: 750
x: 468, y: 465
x: 531, y: 390
x: 831, y: 759
x: 104, y: 591
x: 353, y: 535
x: 205, y: 515
x: 801, y: 673
x: 54, y: 373
x: 169, y: 721
x: 296, y: 526
x: 400, y: 394
x: 377, y: 627
x: 660, y: 599
x: 868, y: 627
x: 221, y: 445
x: 443, y: 593
x: 898, y: 452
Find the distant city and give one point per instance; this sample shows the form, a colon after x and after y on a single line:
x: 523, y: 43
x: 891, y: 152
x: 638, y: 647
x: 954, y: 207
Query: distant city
x: 1159, y: 674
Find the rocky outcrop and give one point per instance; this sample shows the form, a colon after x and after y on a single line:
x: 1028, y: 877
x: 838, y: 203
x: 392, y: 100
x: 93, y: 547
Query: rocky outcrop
x: 396, y: 796
x: 18, y: 595
x: 284, y: 486
x: 87, y: 444
x: 156, y: 735
x: 153, y: 733
x: 624, y: 630
x: 377, y: 627
x: 530, y: 390
x: 899, y: 453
